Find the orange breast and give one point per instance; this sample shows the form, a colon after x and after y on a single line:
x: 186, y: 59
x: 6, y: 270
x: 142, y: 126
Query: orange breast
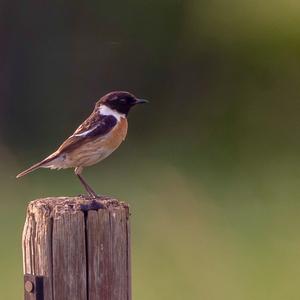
x: 117, y: 135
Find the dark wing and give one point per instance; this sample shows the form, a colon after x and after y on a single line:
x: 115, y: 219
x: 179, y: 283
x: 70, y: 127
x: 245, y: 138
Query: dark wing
x: 94, y: 119
x: 93, y: 127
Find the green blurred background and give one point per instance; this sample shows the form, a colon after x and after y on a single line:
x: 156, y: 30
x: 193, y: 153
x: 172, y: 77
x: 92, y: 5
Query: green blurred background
x: 210, y: 167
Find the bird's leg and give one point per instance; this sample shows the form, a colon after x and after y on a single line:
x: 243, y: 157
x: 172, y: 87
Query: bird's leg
x: 87, y: 187
x: 89, y: 190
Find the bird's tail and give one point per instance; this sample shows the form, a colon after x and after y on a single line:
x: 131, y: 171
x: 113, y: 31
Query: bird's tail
x: 38, y: 165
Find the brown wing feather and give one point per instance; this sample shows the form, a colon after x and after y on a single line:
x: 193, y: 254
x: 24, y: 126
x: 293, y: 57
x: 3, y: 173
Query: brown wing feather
x: 94, y: 127
x: 72, y: 141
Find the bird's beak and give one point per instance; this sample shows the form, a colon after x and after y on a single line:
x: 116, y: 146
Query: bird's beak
x: 141, y: 101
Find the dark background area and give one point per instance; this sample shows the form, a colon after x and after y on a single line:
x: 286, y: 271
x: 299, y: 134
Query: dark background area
x: 210, y: 167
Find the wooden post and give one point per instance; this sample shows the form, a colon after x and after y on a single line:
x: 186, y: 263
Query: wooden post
x: 80, y: 248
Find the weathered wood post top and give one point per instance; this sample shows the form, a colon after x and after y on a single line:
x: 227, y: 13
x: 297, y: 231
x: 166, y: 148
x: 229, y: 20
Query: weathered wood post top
x: 79, y: 247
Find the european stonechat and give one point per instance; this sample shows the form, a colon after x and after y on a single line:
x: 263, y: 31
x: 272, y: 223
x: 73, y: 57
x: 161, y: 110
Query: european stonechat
x: 95, y: 139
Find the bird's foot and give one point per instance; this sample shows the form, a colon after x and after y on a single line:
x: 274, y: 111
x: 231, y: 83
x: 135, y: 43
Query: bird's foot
x: 90, y: 196
x: 95, y: 201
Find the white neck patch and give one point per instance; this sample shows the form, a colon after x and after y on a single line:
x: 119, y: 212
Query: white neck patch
x: 107, y: 111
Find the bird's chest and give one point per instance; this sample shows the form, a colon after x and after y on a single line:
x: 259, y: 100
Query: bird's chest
x: 115, y: 137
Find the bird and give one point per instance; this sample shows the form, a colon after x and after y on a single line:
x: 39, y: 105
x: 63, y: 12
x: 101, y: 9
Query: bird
x: 95, y: 139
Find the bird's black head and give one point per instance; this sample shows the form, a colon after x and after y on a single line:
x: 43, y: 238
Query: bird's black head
x: 122, y: 102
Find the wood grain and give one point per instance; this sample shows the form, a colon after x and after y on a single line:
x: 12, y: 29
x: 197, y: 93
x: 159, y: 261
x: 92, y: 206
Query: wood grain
x: 81, y: 248
x: 108, y: 253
